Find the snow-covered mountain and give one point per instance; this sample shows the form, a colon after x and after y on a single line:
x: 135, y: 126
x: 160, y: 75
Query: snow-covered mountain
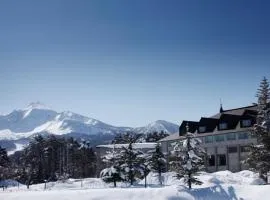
x: 158, y: 126
x: 38, y: 118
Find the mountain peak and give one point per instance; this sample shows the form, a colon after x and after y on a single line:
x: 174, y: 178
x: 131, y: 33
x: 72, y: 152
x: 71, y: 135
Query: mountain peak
x: 37, y: 105
x: 158, y: 126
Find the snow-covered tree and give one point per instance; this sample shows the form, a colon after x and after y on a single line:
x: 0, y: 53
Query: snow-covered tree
x: 155, y: 136
x: 130, y: 163
x: 127, y: 137
x: 4, y: 165
x: 156, y: 162
x: 112, y: 173
x: 259, y: 156
x: 189, y: 158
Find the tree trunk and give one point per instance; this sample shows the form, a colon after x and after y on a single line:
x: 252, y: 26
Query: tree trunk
x: 130, y: 176
x: 45, y: 186
x: 145, y: 182
x: 159, y: 178
x: 114, y: 182
x: 131, y: 179
x: 189, y: 180
x: 189, y: 172
x: 263, y: 177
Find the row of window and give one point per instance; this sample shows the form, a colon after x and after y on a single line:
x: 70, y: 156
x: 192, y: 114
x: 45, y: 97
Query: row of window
x: 221, y: 158
x: 233, y: 149
x: 227, y: 137
x: 224, y: 125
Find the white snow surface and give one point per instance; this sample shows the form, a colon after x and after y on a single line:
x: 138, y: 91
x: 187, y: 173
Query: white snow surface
x: 223, y: 185
x: 19, y: 147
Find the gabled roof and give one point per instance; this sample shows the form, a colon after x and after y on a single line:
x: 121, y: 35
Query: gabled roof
x: 231, y: 120
x: 236, y: 111
x: 192, y: 126
x: 209, y: 123
x: 231, y: 117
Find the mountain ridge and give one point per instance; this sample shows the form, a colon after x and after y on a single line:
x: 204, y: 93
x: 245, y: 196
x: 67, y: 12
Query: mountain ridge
x: 38, y: 118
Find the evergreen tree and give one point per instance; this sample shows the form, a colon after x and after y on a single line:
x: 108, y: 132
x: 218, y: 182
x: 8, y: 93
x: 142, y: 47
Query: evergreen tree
x: 53, y: 158
x: 259, y: 155
x: 189, y: 158
x: 155, y: 136
x: 157, y: 162
x: 127, y: 138
x: 4, y: 165
x: 130, y: 163
x: 143, y: 160
x: 113, y: 172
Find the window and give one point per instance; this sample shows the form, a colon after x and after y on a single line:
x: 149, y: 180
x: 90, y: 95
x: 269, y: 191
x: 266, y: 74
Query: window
x: 243, y: 135
x: 202, y: 129
x: 219, y: 138
x: 231, y: 136
x: 244, y: 149
x: 246, y: 123
x: 232, y: 149
x: 221, y: 159
x: 211, y: 160
x: 208, y: 139
x: 223, y: 126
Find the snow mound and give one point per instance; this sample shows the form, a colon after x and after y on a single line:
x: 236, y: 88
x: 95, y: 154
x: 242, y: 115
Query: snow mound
x: 168, y: 178
x: 223, y: 177
x: 226, y: 177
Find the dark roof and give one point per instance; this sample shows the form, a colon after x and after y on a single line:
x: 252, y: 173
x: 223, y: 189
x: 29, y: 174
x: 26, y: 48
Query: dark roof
x: 231, y: 117
x: 231, y: 120
x: 236, y: 111
x: 192, y: 126
x: 209, y: 123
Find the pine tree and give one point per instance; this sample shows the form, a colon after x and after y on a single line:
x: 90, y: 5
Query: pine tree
x: 127, y: 138
x: 189, y: 158
x: 130, y: 163
x: 52, y: 158
x: 259, y: 156
x: 157, y: 162
x: 155, y: 136
x: 4, y: 166
x: 112, y: 173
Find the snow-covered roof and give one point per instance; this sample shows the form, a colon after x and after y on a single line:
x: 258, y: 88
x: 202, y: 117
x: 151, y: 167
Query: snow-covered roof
x: 146, y: 145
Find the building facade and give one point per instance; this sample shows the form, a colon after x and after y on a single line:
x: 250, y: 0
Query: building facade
x: 225, y: 138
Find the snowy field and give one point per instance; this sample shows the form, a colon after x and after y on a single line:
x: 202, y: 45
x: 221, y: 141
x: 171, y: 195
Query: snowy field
x: 244, y: 185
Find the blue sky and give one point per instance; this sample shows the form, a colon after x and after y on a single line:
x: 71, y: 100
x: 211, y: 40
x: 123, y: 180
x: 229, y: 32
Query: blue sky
x: 128, y: 63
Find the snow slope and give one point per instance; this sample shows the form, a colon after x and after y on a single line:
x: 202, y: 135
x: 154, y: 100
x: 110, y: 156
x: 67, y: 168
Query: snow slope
x: 158, y: 126
x: 19, y: 147
x: 222, y: 185
x: 38, y: 118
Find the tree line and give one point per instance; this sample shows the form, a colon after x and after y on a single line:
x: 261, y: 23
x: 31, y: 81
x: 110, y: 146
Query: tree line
x: 49, y: 159
x: 130, y: 164
x: 52, y: 158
